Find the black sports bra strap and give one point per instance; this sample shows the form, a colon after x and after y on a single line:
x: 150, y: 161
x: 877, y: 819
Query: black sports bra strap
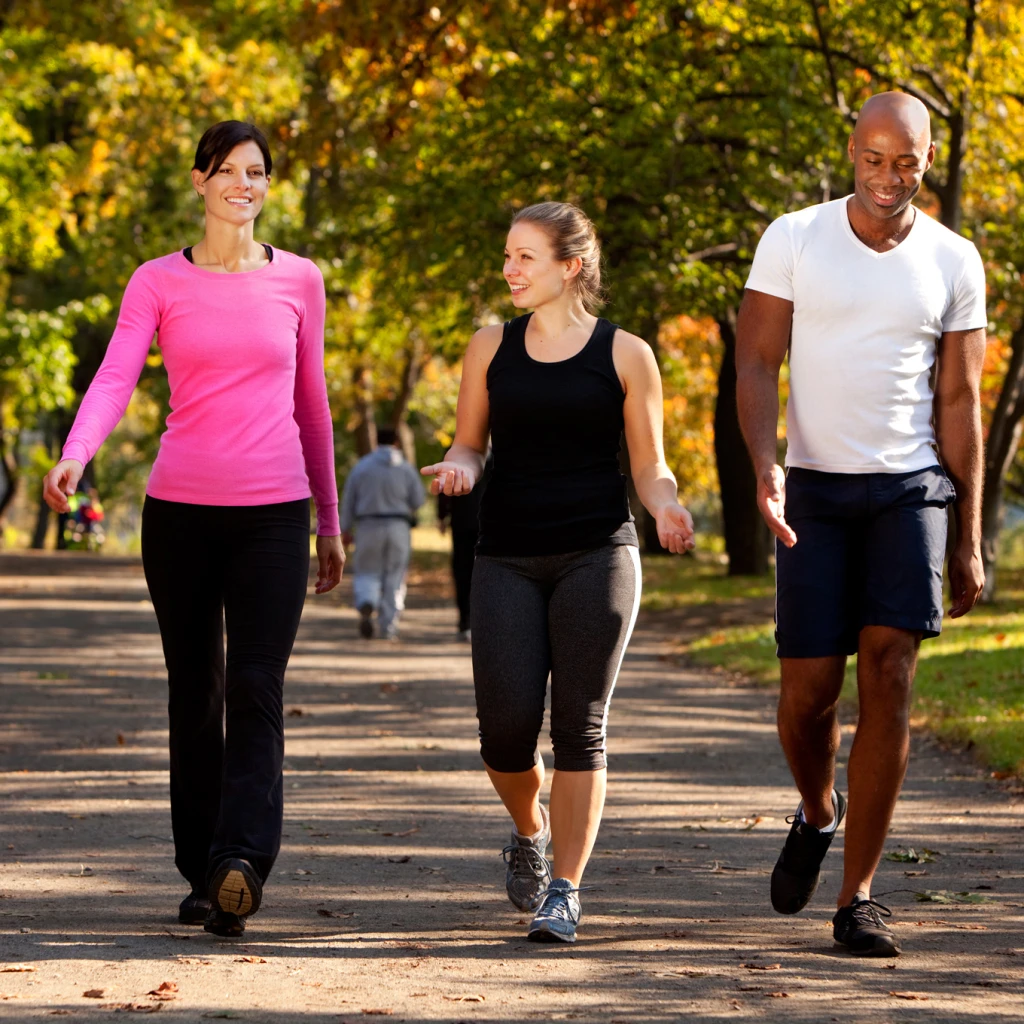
x: 187, y: 253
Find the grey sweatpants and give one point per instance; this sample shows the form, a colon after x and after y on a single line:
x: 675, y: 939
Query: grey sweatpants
x: 380, y: 564
x: 569, y: 616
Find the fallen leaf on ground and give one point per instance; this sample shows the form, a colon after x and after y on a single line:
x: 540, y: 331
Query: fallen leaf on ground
x: 297, y: 713
x: 465, y: 999
x: 676, y: 934
x: 175, y: 935
x: 336, y: 913
x: 402, y: 835
x: 82, y: 872
x: 303, y: 871
x: 909, y: 995
x: 132, y: 1007
x: 945, y: 896
x: 249, y: 960
x: 60, y: 1013
x: 762, y: 967
x: 93, y: 993
x: 777, y: 995
x: 914, y: 874
x: 166, y: 990
x: 911, y: 856
x: 754, y: 821
x: 378, y: 1013
x: 399, y: 860
x: 16, y: 968
x: 223, y: 1015
x: 389, y: 688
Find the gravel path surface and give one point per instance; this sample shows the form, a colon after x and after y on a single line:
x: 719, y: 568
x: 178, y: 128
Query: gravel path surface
x: 388, y: 897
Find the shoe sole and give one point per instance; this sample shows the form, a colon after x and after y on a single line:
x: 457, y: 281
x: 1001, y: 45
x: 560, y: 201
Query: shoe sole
x: 888, y: 950
x: 233, y: 930
x: 233, y: 893
x: 546, y: 935
x: 366, y: 629
x: 779, y: 874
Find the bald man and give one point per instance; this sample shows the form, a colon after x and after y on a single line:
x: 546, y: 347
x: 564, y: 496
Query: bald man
x: 882, y: 312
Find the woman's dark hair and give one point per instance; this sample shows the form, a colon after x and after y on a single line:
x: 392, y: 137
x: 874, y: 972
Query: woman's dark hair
x: 218, y: 140
x: 386, y: 435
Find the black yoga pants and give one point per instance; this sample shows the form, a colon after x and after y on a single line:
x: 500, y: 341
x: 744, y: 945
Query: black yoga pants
x: 569, y: 616
x: 245, y: 567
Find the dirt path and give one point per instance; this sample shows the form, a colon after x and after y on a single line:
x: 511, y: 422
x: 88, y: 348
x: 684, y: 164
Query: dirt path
x: 387, y: 899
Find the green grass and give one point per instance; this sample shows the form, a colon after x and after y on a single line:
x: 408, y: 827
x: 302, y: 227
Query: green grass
x: 970, y: 680
x: 674, y: 582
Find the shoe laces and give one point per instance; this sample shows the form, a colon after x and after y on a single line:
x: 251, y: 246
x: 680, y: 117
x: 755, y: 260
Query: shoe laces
x: 527, y: 860
x: 869, y: 912
x: 555, y: 903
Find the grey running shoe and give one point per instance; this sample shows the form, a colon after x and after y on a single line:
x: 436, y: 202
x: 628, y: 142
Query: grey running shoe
x: 528, y: 873
x: 557, y: 914
x: 795, y: 876
x: 366, y: 621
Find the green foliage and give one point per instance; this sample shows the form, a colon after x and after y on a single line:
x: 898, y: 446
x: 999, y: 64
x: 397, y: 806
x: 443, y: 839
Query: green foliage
x: 970, y: 680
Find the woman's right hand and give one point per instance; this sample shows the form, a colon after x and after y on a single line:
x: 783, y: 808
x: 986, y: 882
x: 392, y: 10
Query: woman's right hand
x: 450, y: 478
x: 60, y: 482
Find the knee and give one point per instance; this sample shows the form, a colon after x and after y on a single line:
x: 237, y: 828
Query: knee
x: 885, y: 666
x: 580, y: 750
x: 509, y: 745
x: 806, y: 705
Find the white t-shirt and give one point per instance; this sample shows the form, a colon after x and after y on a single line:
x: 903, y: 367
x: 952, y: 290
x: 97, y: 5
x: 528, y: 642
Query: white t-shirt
x: 865, y: 327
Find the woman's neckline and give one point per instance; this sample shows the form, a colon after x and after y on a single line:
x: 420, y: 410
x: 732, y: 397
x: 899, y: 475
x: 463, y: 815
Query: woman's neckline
x: 186, y: 255
x: 557, y: 362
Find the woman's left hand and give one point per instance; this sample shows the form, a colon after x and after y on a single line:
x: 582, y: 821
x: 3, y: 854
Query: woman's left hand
x: 675, y: 528
x: 331, y: 556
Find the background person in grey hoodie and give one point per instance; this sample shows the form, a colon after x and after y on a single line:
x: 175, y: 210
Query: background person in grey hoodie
x: 380, y: 500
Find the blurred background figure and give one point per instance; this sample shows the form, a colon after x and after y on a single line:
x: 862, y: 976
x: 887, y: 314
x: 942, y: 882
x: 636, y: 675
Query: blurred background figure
x: 83, y: 524
x: 381, y: 498
x: 462, y: 514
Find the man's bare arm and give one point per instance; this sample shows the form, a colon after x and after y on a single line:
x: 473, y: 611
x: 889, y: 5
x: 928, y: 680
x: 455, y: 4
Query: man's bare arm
x: 958, y: 433
x: 762, y: 340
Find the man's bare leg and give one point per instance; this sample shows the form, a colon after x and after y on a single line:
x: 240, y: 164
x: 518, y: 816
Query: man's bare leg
x: 886, y: 662
x: 809, y: 730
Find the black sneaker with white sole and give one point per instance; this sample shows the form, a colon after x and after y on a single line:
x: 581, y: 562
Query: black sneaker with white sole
x: 796, y: 871
x: 235, y: 889
x: 859, y: 927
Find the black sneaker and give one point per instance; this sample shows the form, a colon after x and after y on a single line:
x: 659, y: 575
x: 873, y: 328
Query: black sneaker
x: 235, y: 889
x: 859, y: 928
x: 193, y: 908
x: 796, y: 871
x: 227, y: 926
x: 366, y: 621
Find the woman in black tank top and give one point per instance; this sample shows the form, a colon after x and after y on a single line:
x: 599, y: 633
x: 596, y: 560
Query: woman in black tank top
x: 556, y: 584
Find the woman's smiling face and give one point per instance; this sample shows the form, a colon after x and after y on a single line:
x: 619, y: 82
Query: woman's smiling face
x: 531, y: 270
x: 236, y: 190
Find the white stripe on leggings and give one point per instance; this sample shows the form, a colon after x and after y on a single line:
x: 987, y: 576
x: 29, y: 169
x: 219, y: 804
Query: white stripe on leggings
x: 634, y: 554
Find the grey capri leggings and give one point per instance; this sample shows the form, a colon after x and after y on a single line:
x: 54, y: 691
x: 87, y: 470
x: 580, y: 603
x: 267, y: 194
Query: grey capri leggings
x: 568, y: 615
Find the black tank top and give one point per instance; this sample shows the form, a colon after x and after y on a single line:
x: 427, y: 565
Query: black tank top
x: 555, y: 430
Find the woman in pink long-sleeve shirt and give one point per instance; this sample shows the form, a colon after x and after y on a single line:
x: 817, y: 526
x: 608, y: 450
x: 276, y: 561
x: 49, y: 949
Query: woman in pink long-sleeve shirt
x: 225, y: 526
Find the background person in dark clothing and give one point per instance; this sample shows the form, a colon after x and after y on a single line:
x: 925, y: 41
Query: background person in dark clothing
x: 462, y: 513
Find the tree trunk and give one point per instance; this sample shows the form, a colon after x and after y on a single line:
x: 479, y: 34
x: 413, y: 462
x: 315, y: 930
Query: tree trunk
x: 746, y: 535
x: 366, y: 427
x: 1003, y: 438
x: 410, y: 377
x: 42, y: 525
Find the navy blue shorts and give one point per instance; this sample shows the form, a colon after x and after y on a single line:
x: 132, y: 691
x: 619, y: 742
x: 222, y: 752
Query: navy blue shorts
x: 869, y: 552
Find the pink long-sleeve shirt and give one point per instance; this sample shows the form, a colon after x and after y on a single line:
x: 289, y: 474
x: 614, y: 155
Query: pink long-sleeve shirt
x: 249, y: 421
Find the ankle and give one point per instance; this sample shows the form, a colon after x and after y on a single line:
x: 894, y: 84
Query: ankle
x: 531, y: 827
x: 853, y: 894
